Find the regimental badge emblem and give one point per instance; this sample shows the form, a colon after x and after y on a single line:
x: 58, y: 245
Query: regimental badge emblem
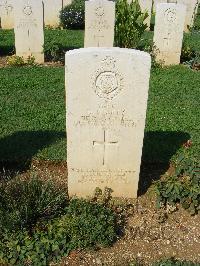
x: 107, y: 81
x: 170, y: 15
x: 27, y: 10
x: 99, y: 11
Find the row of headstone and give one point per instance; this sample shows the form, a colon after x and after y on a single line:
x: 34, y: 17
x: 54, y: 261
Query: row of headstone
x: 52, y: 10
x: 99, y: 28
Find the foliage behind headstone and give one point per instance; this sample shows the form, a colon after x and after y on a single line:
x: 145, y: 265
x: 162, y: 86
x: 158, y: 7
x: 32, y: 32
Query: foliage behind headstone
x: 129, y: 25
x: 73, y: 16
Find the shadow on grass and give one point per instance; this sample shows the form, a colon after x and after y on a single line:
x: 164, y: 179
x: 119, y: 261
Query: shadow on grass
x: 158, y: 149
x: 7, y: 50
x: 18, y: 149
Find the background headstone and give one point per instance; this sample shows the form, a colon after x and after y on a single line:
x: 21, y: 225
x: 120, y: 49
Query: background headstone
x: 190, y: 12
x: 66, y: 2
x: 155, y: 2
x: 107, y: 91
x: 52, y: 10
x: 168, y: 32
x: 7, y: 14
x: 29, y: 29
x: 99, y: 23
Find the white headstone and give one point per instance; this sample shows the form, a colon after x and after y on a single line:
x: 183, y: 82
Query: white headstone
x: 107, y: 91
x: 190, y: 12
x: 6, y: 14
x: 191, y: 8
x: 168, y: 32
x: 29, y: 32
x: 66, y: 2
x: 155, y: 2
x: 99, y: 23
x: 52, y: 10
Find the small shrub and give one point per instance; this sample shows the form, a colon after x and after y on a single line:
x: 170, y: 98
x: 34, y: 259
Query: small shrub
x: 129, y: 25
x: 15, y: 60
x: 54, y: 51
x: 73, y: 16
x: 187, y: 53
x: 24, y: 203
x: 194, y: 62
x: 183, y: 186
x: 83, y: 225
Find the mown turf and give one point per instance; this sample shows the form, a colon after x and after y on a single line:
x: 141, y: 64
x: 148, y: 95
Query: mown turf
x: 32, y: 113
x: 70, y: 39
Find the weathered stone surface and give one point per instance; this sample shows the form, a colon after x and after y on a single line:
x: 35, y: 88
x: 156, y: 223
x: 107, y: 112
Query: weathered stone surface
x: 6, y: 14
x: 29, y: 32
x: 106, y: 92
x: 66, y: 2
x: 155, y: 2
x: 191, y: 9
x: 99, y: 23
x: 168, y: 32
x: 52, y: 10
x: 190, y: 12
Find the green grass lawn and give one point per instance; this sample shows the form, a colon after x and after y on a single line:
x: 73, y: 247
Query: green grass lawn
x: 71, y: 39
x: 32, y: 109
x: 32, y: 113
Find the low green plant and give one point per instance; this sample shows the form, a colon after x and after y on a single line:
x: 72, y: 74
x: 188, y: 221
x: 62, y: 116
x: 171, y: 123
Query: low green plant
x: 83, y: 225
x: 54, y: 51
x: 24, y: 202
x: 183, y: 186
x: 130, y: 24
x: 194, y: 62
x: 73, y: 16
x: 15, y: 60
x: 187, y: 53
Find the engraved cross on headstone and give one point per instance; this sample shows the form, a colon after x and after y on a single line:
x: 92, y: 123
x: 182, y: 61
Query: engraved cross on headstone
x: 98, y: 36
x: 167, y: 41
x: 105, y: 143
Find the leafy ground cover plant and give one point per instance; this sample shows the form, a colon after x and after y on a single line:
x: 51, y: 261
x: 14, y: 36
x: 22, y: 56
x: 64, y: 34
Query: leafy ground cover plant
x: 54, y: 51
x: 15, y: 60
x: 24, y: 203
x: 129, y: 25
x: 183, y: 186
x: 73, y: 16
x: 83, y: 225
